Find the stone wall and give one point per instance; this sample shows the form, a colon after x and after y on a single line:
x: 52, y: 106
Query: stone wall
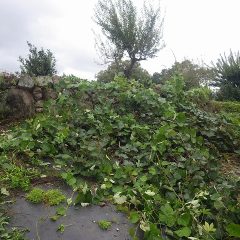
x: 23, y: 96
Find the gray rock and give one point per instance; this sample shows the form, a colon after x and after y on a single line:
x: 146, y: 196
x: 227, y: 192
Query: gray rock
x: 42, y: 81
x: 20, y: 103
x: 55, y: 79
x: 49, y: 93
x: 38, y: 109
x: 26, y: 81
x: 37, y: 93
x: 39, y: 104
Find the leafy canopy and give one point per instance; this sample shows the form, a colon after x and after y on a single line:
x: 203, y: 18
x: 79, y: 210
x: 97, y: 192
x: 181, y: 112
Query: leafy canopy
x: 38, y: 62
x: 193, y: 74
x: 138, y: 73
x: 127, y: 34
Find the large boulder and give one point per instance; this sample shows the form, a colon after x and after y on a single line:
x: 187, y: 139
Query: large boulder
x: 20, y: 103
x: 25, y: 81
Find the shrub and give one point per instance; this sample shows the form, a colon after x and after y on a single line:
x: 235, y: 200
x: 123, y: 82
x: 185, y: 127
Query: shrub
x: 231, y: 107
x: 200, y: 96
x: 38, y: 62
x: 228, y: 92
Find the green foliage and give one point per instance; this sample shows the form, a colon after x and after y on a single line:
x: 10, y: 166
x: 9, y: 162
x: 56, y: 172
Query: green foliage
x: 228, y: 92
x: 38, y: 62
x: 61, y: 228
x: 193, y: 74
x: 230, y: 107
x: 155, y: 156
x: 50, y: 197
x: 138, y: 73
x: 104, y: 224
x: 6, y: 234
x: 18, y: 177
x: 227, y: 69
x: 201, y: 96
x: 234, y: 230
x: 127, y: 34
x: 54, y: 197
x: 35, y: 196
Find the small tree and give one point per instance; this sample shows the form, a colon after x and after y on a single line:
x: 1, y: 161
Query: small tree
x: 38, y: 62
x: 127, y: 34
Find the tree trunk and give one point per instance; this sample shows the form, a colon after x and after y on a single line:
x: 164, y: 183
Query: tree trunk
x: 128, y: 70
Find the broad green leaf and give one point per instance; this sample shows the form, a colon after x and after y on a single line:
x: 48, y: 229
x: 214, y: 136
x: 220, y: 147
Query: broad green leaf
x: 167, y: 209
x: 169, y: 220
x: 183, y: 232
x: 233, y: 229
x: 134, y: 217
x: 72, y: 181
x: 184, y: 219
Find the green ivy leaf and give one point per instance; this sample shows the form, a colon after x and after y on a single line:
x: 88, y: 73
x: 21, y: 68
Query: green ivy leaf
x: 183, y: 232
x: 167, y: 209
x: 233, y: 229
x: 184, y: 219
x: 134, y: 217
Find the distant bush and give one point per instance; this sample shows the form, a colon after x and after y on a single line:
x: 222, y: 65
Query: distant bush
x: 201, y: 96
x: 231, y: 107
x: 228, y: 92
x: 193, y: 74
x: 38, y: 62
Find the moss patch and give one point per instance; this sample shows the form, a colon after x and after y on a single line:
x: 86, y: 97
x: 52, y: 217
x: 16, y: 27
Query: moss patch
x: 104, y: 224
x: 50, y: 197
x: 35, y: 196
x: 54, y: 197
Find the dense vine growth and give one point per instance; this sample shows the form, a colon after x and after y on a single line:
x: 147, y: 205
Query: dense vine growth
x: 152, y: 152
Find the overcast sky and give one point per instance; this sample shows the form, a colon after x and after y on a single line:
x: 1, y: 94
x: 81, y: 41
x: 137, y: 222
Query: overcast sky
x: 194, y: 29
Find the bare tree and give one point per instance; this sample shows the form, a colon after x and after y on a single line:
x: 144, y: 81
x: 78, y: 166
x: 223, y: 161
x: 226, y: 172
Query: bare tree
x: 128, y: 35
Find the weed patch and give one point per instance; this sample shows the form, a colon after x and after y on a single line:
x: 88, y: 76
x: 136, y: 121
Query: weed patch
x: 104, y: 224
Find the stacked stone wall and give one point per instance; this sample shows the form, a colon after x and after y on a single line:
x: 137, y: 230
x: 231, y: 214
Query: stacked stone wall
x: 23, y: 96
